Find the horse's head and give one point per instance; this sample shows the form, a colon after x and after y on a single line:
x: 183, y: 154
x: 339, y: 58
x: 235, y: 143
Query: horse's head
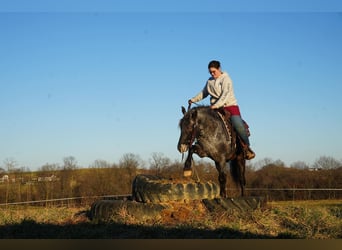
x: 187, y: 126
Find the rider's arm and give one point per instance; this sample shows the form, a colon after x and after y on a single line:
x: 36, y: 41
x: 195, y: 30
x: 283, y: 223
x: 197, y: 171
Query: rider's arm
x: 201, y: 95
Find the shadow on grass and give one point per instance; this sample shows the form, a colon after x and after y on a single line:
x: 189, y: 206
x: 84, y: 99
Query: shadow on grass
x: 30, y: 229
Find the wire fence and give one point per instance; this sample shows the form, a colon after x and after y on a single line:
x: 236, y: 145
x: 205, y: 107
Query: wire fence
x: 271, y: 194
x: 283, y: 194
x: 81, y: 200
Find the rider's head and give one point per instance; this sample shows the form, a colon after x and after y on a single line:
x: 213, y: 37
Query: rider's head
x: 214, y: 68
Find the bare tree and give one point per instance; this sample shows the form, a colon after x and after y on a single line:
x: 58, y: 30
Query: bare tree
x: 130, y: 163
x: 299, y: 165
x: 10, y: 164
x: 49, y: 168
x: 100, y: 164
x: 262, y: 163
x: 327, y: 162
x: 70, y: 163
x: 69, y: 184
x: 101, y: 179
x: 158, y: 162
x: 2, y: 171
x: 48, y: 186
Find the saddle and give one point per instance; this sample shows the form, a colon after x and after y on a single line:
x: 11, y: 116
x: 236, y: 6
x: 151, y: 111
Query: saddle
x: 236, y: 139
x: 225, y: 116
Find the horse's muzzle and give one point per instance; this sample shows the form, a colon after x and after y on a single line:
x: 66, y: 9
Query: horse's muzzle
x: 183, y: 148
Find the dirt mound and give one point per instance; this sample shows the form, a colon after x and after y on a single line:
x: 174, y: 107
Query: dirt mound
x: 184, y: 212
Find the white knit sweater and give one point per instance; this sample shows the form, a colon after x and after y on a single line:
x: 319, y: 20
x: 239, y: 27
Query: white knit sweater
x: 220, y: 90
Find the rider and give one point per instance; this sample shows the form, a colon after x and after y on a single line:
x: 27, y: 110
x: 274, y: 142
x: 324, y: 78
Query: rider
x: 220, y: 88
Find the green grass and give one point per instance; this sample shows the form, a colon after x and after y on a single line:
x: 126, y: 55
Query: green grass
x: 294, y: 219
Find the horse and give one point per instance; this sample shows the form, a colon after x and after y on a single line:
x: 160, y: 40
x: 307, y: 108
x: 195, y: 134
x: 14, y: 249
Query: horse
x: 205, y: 133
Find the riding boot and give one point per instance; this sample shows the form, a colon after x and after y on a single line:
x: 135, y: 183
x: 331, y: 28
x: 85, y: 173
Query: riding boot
x: 249, y: 154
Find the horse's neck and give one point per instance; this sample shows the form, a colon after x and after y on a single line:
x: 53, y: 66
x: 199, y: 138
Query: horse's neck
x: 206, y: 120
x: 212, y: 124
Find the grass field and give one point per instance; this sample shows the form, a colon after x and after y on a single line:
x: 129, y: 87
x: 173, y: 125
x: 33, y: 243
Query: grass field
x: 287, y: 220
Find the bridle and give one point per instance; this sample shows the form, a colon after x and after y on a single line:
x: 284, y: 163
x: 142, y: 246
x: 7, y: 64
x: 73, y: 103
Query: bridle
x: 191, y: 141
x: 192, y: 138
x: 194, y: 131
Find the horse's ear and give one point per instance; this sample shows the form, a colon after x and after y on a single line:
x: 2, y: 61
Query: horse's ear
x: 183, y: 110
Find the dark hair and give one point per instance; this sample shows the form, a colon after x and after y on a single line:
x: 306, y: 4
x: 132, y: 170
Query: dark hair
x: 214, y: 64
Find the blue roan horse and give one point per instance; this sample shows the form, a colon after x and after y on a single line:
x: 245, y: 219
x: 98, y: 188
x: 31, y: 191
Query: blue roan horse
x: 204, y: 133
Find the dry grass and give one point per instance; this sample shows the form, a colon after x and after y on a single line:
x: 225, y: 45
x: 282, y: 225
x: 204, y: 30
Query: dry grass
x: 55, y: 215
x: 306, y: 220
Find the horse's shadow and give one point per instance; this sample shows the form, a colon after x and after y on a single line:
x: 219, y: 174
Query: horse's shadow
x: 30, y: 229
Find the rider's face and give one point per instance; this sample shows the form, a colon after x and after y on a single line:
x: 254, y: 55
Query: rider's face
x: 214, y: 72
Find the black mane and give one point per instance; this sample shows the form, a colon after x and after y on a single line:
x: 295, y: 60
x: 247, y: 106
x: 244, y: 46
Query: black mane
x: 207, y: 110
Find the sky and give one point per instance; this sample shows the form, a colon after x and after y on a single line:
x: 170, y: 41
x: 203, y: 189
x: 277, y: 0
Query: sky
x: 100, y: 84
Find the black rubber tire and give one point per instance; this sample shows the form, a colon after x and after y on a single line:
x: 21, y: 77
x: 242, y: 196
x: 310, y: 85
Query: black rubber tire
x: 153, y: 189
x: 239, y: 203
x: 114, y: 210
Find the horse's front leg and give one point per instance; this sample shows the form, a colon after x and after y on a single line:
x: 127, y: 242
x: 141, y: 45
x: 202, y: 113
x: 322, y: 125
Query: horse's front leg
x: 187, y: 170
x: 194, y: 149
x: 222, y: 178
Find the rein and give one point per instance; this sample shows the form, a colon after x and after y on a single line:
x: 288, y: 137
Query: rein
x: 194, y: 130
x: 191, y: 141
x: 193, y: 134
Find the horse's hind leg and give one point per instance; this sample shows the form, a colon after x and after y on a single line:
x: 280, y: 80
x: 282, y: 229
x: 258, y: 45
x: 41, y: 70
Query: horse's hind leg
x: 242, y: 166
x: 222, y: 178
x: 237, y: 170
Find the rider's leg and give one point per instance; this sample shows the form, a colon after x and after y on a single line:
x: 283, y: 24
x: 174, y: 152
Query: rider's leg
x: 239, y: 126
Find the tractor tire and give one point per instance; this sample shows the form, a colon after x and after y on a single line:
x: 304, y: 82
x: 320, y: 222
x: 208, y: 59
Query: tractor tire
x: 116, y: 210
x: 242, y: 204
x: 154, y: 189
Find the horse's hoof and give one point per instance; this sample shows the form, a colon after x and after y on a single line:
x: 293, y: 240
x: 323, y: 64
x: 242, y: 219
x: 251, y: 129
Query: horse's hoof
x: 187, y: 173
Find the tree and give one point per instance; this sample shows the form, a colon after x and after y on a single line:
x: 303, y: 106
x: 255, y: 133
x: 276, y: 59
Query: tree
x: 69, y: 184
x: 279, y: 163
x: 49, y: 168
x: 158, y: 162
x: 261, y: 163
x: 101, y: 179
x: 130, y: 163
x: 47, y: 187
x: 10, y: 164
x: 327, y: 162
x: 299, y: 165
x: 100, y: 164
x: 70, y: 163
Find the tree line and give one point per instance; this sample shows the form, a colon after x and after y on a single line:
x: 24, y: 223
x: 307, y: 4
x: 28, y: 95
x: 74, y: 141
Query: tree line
x: 264, y: 178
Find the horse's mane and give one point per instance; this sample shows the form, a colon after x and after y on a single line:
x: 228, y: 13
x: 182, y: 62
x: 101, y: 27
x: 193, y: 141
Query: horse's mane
x: 207, y: 110
x: 203, y: 109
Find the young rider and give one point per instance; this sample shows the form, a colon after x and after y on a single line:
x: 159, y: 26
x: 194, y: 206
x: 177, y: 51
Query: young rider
x: 220, y: 88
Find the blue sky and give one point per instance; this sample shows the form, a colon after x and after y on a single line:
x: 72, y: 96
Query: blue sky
x: 97, y: 85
